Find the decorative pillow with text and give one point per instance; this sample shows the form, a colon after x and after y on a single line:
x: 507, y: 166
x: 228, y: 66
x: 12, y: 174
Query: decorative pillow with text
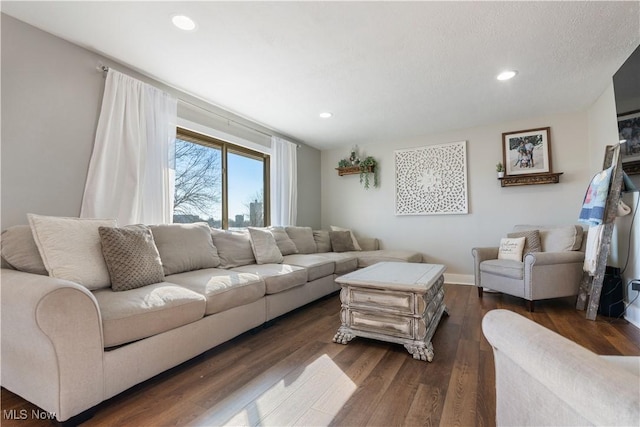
x: 511, y: 248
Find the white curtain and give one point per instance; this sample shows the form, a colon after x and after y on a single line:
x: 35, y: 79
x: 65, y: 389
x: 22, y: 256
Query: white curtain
x: 131, y: 172
x: 284, y: 182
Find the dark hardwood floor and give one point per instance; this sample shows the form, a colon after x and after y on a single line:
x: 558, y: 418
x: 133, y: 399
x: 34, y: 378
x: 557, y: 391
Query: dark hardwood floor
x: 293, y: 374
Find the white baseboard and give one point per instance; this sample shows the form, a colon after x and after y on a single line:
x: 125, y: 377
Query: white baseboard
x: 633, y: 315
x: 459, y: 279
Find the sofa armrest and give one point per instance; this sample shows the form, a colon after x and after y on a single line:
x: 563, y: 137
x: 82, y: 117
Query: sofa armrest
x: 552, y: 274
x: 569, y: 384
x: 52, y: 343
x: 479, y: 255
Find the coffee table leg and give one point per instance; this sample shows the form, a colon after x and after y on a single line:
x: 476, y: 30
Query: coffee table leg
x: 343, y: 336
x: 421, y: 351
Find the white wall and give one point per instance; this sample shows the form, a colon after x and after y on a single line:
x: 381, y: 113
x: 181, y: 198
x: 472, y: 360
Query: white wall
x: 493, y: 210
x: 51, y: 96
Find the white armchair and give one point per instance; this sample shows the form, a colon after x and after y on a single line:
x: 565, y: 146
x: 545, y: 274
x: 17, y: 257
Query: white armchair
x: 544, y: 379
x: 554, y: 272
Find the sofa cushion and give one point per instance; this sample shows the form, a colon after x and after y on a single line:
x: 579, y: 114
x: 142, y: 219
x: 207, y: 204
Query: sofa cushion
x: 322, y: 239
x: 20, y: 250
x: 140, y: 313
x: 234, y: 247
x: 277, y: 277
x: 344, y: 262
x: 303, y: 239
x: 367, y: 258
x: 223, y: 289
x: 70, y: 248
x: 557, y: 238
x: 341, y: 241
x: 317, y: 266
x: 131, y: 256
x: 532, y: 241
x: 284, y: 242
x: 264, y: 246
x: 503, y: 267
x: 185, y: 247
x: 356, y: 245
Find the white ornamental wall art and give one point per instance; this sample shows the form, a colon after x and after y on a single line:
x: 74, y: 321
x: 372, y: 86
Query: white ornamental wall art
x: 432, y: 180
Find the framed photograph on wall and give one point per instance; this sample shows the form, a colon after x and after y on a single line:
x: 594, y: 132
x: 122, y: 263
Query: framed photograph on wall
x: 629, y: 133
x: 526, y: 152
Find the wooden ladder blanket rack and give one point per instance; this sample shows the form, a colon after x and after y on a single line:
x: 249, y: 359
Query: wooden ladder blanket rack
x: 591, y: 286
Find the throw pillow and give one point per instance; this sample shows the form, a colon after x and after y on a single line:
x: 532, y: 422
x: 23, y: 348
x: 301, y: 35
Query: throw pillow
x: 70, y: 248
x: 185, y: 247
x: 532, y: 240
x: 323, y: 241
x: 341, y: 241
x: 131, y: 255
x: 511, y: 248
x: 234, y: 248
x: 356, y: 245
x: 264, y: 246
x: 284, y: 242
x: 303, y: 239
x: 20, y: 250
x: 557, y: 238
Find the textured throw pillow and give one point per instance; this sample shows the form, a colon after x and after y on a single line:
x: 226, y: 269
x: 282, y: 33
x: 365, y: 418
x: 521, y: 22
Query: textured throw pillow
x: 264, y: 246
x: 511, y: 248
x: 20, y: 250
x: 131, y: 255
x: 234, y: 248
x: 341, y: 241
x: 532, y: 240
x: 185, y: 247
x: 303, y: 239
x: 284, y: 242
x: 356, y: 245
x: 323, y: 241
x: 70, y: 248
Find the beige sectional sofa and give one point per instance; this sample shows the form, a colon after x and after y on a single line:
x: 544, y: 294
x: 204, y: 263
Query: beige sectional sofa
x: 67, y: 346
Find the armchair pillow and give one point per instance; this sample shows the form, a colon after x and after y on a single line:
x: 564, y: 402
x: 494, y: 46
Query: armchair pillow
x: 131, y: 256
x: 532, y: 241
x: 557, y: 238
x: 511, y: 248
x: 70, y: 248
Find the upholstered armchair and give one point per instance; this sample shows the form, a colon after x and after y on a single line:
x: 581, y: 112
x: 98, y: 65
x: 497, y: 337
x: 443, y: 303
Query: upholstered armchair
x: 544, y: 379
x: 549, y: 268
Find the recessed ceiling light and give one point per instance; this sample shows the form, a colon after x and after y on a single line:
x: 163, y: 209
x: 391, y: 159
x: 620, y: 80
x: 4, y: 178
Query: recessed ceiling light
x: 506, y: 75
x: 326, y: 115
x: 184, y: 22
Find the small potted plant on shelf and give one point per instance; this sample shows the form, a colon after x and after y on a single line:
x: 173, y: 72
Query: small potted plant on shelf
x: 500, y: 170
x: 368, y: 166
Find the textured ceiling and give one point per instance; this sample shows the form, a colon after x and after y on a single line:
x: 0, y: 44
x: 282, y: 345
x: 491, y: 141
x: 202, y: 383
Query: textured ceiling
x: 386, y: 70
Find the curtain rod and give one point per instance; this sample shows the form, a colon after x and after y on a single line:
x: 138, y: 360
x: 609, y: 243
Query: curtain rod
x: 104, y: 69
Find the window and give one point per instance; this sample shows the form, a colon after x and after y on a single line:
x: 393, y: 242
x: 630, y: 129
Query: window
x: 223, y: 184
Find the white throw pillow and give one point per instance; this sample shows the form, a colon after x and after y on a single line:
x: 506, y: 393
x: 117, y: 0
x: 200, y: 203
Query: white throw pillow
x: 511, y: 248
x: 355, y: 241
x: 70, y: 248
x: 264, y: 246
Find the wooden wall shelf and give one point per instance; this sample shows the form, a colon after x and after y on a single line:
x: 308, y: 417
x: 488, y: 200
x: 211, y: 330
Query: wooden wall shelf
x: 539, y: 178
x: 352, y: 170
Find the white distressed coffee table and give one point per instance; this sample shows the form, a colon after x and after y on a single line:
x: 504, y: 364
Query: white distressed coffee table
x: 397, y: 302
